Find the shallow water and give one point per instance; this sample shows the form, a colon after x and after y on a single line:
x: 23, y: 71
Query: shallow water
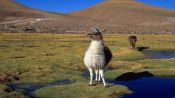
x: 144, y: 85
x: 159, y: 54
x: 28, y: 89
x: 149, y: 87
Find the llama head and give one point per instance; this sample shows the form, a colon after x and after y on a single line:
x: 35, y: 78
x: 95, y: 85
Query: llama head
x: 95, y: 34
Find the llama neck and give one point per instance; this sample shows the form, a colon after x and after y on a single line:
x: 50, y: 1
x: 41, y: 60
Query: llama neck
x: 96, y: 47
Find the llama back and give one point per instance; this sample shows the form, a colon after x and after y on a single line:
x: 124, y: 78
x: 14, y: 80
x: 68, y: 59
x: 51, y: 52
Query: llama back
x: 108, y: 55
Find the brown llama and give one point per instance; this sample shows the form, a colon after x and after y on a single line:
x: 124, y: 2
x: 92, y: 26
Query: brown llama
x: 132, y: 41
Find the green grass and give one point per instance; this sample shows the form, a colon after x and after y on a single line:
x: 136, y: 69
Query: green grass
x: 81, y: 90
x: 38, y: 58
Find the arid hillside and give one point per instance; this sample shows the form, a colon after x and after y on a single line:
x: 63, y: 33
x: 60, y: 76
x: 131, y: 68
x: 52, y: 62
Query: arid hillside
x: 131, y: 15
x: 113, y: 16
x: 17, y: 18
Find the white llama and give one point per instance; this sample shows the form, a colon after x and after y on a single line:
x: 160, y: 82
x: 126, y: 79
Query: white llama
x: 97, y: 56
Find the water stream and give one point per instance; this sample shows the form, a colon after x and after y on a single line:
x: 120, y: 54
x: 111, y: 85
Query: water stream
x: 149, y: 87
x: 159, y: 54
x: 28, y: 89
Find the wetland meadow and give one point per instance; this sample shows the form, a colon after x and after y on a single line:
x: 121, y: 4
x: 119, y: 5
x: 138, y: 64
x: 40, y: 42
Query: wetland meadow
x: 43, y: 65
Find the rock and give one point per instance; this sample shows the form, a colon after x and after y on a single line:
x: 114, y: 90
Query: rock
x: 8, y: 89
x: 16, y: 78
x: 29, y: 28
x: 49, y: 54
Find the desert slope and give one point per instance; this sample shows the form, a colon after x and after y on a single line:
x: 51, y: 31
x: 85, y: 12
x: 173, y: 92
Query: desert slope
x: 126, y: 12
x: 17, y: 18
x: 113, y: 16
x: 11, y: 9
x: 129, y: 13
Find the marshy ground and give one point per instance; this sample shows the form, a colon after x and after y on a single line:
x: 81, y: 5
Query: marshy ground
x: 46, y: 58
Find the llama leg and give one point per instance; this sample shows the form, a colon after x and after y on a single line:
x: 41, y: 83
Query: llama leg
x: 134, y: 44
x: 101, y: 71
x: 130, y: 44
x: 96, y: 75
x: 99, y: 77
x: 91, y: 75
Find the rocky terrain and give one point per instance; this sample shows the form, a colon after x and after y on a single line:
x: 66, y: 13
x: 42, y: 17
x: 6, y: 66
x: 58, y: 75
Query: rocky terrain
x: 113, y: 16
x: 17, y: 18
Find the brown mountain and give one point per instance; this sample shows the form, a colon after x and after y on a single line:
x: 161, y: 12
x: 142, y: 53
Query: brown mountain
x: 129, y: 15
x: 114, y: 16
x: 17, y: 18
x: 11, y: 9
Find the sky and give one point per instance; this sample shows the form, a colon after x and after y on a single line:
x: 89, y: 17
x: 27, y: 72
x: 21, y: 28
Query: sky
x: 63, y: 6
x: 168, y: 4
x: 67, y: 6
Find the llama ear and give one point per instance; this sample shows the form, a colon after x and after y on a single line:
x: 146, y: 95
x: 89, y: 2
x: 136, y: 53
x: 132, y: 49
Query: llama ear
x: 96, y: 29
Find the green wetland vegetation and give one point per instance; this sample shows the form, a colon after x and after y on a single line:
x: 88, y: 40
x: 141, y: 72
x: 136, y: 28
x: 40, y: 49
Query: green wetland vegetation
x: 46, y: 58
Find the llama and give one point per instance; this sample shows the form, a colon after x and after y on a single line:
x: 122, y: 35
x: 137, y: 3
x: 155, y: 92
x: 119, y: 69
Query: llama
x: 132, y: 40
x: 97, y: 56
